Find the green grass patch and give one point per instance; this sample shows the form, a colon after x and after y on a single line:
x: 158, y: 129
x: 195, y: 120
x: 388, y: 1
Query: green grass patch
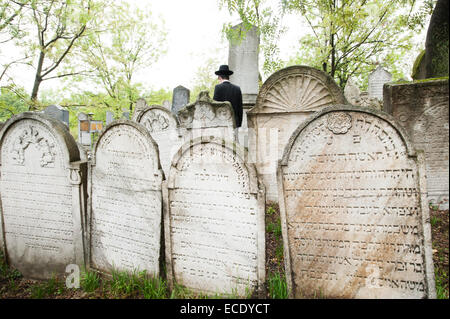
x: 47, y: 288
x: 277, y: 286
x: 441, y: 277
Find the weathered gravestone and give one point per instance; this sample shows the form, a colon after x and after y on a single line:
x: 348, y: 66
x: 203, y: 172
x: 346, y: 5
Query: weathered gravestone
x: 58, y: 112
x: 352, y: 92
x: 126, y: 200
x: 207, y: 117
x: 355, y: 221
x: 180, y: 98
x: 243, y: 60
x: 433, y: 61
x: 141, y: 104
x: 422, y: 109
x: 164, y: 128
x: 284, y: 101
x: 42, y: 179
x: 214, y: 222
x: 109, y: 117
x: 376, y: 81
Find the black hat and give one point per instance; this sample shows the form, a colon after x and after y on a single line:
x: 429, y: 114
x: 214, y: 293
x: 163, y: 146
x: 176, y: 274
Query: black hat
x: 224, y: 70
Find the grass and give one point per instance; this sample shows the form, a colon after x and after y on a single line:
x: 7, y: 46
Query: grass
x: 277, y: 286
x: 47, y: 288
x: 441, y: 277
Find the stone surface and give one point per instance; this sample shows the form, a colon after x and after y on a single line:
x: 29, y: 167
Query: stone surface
x: 180, y: 98
x: 434, y: 62
x: 126, y: 200
x: 84, y: 135
x: 243, y: 61
x: 353, y: 222
x: 284, y: 101
x: 141, y: 104
x: 376, y: 81
x: 214, y: 222
x: 109, y: 117
x: 352, y: 92
x: 42, y: 179
x: 164, y: 128
x: 58, y: 112
x: 422, y: 109
x: 206, y: 117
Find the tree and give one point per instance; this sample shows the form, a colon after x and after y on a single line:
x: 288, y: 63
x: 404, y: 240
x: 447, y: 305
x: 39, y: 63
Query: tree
x: 11, y: 15
x: 58, y: 27
x: 349, y: 36
x: 131, y: 40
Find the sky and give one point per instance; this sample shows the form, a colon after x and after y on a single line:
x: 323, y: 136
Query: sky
x: 194, y: 35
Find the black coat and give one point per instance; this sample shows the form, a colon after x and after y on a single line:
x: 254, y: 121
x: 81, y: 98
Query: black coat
x: 227, y: 91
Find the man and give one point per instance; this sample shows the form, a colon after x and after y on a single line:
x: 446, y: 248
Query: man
x: 226, y: 91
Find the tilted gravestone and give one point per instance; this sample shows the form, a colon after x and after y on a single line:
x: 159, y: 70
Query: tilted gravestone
x: 42, y: 180
x: 422, y: 109
x: 214, y: 222
x: 180, y: 98
x: 57, y: 112
x: 164, y: 128
x: 376, y: 81
x: 285, y: 100
x: 126, y: 200
x: 206, y: 117
x: 354, y: 220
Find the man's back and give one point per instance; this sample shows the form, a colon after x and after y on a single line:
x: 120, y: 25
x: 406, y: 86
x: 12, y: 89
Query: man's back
x: 227, y: 91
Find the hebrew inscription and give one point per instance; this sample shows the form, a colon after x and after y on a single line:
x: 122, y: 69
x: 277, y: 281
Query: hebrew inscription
x: 353, y: 212
x: 37, y: 197
x: 126, y: 201
x: 216, y: 222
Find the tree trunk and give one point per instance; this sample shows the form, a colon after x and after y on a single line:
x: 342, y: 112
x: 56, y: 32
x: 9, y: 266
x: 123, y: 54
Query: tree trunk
x: 37, y: 80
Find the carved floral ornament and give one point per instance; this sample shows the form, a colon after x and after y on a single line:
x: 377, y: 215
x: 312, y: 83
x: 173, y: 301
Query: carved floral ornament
x: 339, y: 122
x: 31, y: 136
x: 155, y: 122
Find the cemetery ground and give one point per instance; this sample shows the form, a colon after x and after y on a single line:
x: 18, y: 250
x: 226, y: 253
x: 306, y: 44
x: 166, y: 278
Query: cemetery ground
x: 138, y: 286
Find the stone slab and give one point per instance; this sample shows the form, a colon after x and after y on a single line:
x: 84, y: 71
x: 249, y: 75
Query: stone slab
x: 422, y: 109
x: 214, y: 222
x: 126, y: 200
x: 42, y: 179
x: 354, y: 221
x: 286, y: 99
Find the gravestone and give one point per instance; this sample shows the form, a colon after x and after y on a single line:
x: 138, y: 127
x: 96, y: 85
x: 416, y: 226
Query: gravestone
x: 42, y: 179
x: 214, y: 224
x: 141, y: 104
x: 58, y: 112
x: 84, y: 134
x: 353, y: 220
x: 126, y: 200
x: 243, y: 60
x: 433, y: 61
x: 352, y: 93
x: 180, y: 98
x: 166, y: 104
x: 163, y: 127
x: 109, y: 117
x: 285, y: 100
x: 376, y: 81
x: 422, y: 109
x: 125, y: 114
x: 207, y: 117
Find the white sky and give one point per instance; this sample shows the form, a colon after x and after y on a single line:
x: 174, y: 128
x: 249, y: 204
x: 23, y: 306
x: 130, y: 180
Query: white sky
x: 194, y: 34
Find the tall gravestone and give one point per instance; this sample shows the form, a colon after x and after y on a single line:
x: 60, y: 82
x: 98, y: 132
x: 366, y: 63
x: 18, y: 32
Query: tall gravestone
x: 58, y: 112
x: 42, y: 180
x: 376, y: 81
x: 422, y: 109
x: 180, y: 98
x: 126, y: 200
x: 206, y: 117
x: 433, y: 61
x: 214, y: 222
x: 164, y: 129
x: 109, y: 117
x: 285, y: 100
x: 140, y: 105
x: 354, y: 220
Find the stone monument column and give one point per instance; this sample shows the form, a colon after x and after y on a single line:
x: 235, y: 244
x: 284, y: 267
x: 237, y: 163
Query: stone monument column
x: 243, y: 60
